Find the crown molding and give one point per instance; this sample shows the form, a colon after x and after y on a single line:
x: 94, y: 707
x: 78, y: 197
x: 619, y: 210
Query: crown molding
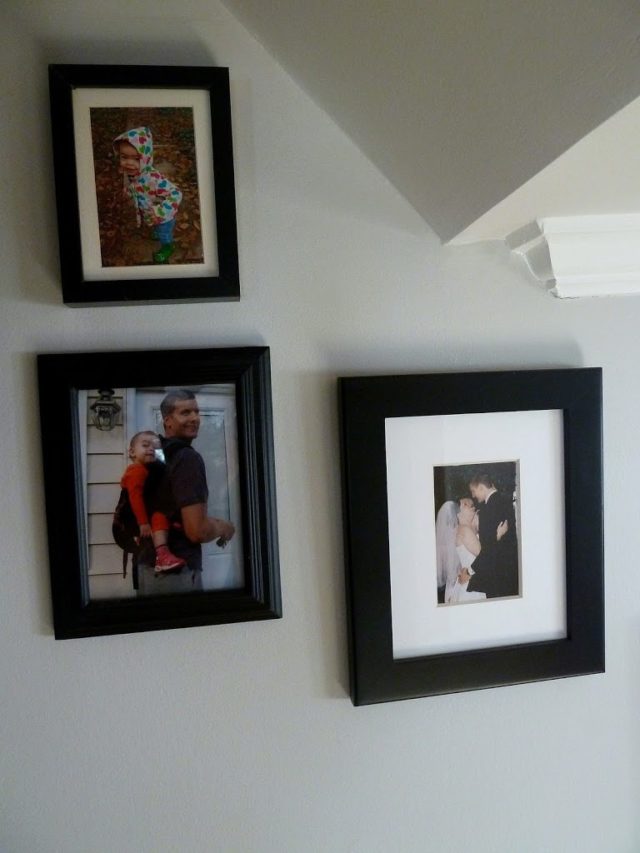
x: 582, y: 255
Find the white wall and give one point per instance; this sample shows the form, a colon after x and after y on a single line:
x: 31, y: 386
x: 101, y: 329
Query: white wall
x: 242, y: 737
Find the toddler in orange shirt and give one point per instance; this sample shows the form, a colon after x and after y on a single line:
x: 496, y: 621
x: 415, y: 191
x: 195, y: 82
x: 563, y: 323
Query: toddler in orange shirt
x: 142, y: 452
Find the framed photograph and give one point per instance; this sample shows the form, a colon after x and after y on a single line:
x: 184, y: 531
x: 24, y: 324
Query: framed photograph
x: 160, y: 489
x: 473, y: 529
x: 143, y: 163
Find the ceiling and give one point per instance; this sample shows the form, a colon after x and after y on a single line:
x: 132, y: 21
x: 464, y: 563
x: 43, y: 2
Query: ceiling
x: 465, y: 105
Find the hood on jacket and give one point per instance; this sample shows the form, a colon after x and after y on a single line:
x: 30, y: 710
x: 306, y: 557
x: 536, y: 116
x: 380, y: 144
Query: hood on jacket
x: 142, y: 141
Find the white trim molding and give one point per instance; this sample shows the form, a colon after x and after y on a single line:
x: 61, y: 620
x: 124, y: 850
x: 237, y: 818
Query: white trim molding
x: 582, y: 255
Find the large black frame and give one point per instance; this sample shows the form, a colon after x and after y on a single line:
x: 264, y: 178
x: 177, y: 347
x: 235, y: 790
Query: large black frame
x: 77, y: 291
x: 365, y: 403
x: 61, y: 377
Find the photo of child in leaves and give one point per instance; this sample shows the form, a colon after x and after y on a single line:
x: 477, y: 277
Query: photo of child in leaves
x: 146, y: 185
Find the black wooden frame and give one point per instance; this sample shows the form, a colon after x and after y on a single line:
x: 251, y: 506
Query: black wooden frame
x: 365, y: 402
x: 61, y: 377
x: 63, y: 79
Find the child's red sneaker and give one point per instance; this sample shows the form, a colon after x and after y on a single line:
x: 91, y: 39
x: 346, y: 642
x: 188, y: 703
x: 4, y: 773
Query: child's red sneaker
x: 168, y: 562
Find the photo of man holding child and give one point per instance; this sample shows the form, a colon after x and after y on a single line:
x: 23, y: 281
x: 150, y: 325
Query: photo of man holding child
x: 163, y: 505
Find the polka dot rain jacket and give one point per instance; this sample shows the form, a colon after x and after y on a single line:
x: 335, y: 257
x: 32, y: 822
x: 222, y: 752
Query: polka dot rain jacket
x: 156, y: 199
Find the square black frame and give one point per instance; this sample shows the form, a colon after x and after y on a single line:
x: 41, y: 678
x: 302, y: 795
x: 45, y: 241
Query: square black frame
x: 61, y: 377
x: 365, y: 403
x: 77, y: 291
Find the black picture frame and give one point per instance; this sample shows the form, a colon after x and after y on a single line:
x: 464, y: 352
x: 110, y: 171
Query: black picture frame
x: 365, y: 404
x: 62, y: 378
x: 216, y: 282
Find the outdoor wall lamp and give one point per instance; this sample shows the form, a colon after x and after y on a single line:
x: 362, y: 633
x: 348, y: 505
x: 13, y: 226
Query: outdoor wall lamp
x: 105, y: 409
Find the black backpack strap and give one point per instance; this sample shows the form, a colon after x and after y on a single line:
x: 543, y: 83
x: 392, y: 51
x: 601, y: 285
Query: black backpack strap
x: 134, y: 571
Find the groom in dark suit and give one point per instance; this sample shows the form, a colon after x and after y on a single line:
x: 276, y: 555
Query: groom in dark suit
x: 496, y: 567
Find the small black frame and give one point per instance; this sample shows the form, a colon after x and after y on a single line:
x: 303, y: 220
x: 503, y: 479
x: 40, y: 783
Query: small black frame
x: 220, y: 283
x: 365, y: 403
x: 61, y: 378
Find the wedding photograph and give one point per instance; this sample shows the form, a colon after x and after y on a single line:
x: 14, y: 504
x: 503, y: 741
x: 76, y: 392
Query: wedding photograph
x: 476, y: 531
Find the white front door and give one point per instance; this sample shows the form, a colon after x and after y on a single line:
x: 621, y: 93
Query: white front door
x: 217, y: 443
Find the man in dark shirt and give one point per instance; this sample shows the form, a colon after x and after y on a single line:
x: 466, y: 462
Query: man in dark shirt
x: 183, y: 495
x: 496, y: 567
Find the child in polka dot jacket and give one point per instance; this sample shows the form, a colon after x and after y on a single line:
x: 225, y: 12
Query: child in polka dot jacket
x: 155, y: 198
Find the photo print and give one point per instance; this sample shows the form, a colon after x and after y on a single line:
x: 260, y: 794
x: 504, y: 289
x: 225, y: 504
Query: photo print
x: 146, y: 185
x: 477, y: 531
x: 144, y: 452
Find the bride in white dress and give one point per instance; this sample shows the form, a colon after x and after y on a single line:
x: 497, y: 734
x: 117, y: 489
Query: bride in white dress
x: 457, y: 546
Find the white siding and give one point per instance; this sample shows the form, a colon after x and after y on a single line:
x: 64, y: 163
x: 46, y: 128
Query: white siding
x: 106, y: 460
x: 105, y: 468
x: 100, y: 529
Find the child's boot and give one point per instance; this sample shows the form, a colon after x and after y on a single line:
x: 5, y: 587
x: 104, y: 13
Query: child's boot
x: 164, y: 253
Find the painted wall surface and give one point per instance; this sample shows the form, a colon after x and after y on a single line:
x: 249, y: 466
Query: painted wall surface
x: 459, y: 103
x: 242, y: 737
